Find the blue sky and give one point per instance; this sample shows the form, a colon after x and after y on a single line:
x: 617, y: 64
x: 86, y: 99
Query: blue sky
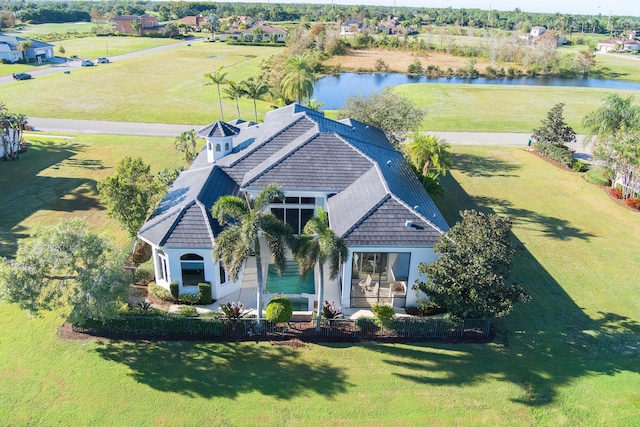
x: 586, y: 7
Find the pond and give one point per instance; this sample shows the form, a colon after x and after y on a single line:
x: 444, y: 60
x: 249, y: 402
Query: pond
x: 334, y: 90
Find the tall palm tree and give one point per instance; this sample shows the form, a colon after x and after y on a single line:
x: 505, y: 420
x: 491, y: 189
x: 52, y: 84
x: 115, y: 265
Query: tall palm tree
x: 242, y: 237
x: 233, y: 91
x: 318, y: 245
x: 217, y: 78
x: 254, y: 89
x: 428, y: 154
x: 23, y: 47
x: 186, y: 143
x: 299, y: 79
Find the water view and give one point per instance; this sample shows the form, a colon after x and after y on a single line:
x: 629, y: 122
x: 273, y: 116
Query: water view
x: 334, y: 90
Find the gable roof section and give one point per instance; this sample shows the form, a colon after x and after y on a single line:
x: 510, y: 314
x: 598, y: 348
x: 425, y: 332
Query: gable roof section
x: 183, y: 218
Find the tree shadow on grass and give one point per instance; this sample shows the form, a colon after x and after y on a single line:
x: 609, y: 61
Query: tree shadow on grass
x: 480, y: 166
x: 26, y: 190
x: 225, y: 369
x: 542, y: 346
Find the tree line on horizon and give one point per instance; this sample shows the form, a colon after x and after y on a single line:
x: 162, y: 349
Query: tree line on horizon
x: 56, y: 12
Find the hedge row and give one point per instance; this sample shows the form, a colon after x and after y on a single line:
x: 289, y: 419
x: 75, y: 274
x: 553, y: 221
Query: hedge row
x: 202, y: 297
x: 559, y: 153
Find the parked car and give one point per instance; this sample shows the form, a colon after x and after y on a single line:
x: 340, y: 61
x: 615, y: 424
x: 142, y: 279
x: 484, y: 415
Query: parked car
x: 87, y: 63
x: 22, y: 76
x: 103, y: 60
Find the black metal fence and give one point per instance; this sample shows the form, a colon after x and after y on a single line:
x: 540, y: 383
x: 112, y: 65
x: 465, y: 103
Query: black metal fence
x: 179, y: 327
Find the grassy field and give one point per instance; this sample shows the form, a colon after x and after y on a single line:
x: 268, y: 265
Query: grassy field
x: 495, y: 108
x: 34, y: 30
x: 570, y: 357
x: 95, y: 47
x: 164, y: 87
x: 57, y: 179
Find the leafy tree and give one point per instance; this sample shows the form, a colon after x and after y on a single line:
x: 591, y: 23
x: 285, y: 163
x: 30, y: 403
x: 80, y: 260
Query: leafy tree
x: 167, y: 176
x: 254, y: 89
x: 217, y: 78
x: 171, y: 30
x: 318, y: 245
x: 584, y: 61
x: 212, y: 23
x: 415, y: 67
x: 554, y: 129
x: 313, y: 104
x: 129, y: 194
x: 621, y: 156
x: 470, y: 277
x: 186, y: 144
x: 249, y: 223
x: 233, y: 91
x: 136, y: 24
x: 299, y: 79
x: 396, y: 115
x: 68, y: 267
x: 429, y: 155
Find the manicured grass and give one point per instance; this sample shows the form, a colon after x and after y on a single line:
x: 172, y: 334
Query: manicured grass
x: 496, y: 108
x: 570, y: 357
x: 622, y: 66
x: 57, y: 177
x: 68, y: 27
x: 164, y: 87
x: 95, y: 47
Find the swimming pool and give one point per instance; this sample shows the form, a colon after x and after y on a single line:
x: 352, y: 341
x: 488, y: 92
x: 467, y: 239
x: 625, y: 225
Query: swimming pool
x: 290, y: 282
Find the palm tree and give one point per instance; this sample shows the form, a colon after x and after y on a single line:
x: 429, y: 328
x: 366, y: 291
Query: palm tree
x: 317, y: 245
x: 299, y: 79
x: 428, y: 154
x: 23, y: 47
x: 218, y: 78
x: 251, y: 221
x: 186, y: 143
x: 233, y: 91
x: 614, y: 116
x: 313, y: 104
x: 254, y: 89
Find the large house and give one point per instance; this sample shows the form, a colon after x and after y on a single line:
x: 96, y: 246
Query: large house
x: 261, y: 31
x: 373, y: 199
x: 628, y: 43
x: 148, y: 24
x: 37, y: 52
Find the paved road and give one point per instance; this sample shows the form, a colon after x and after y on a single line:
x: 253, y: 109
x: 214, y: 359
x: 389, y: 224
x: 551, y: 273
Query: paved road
x: 60, y: 64
x: 173, y: 130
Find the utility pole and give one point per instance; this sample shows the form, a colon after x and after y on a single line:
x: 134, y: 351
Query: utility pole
x: 489, y: 20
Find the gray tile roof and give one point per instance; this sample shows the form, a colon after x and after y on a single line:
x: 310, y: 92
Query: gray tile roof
x: 300, y: 149
x: 218, y: 130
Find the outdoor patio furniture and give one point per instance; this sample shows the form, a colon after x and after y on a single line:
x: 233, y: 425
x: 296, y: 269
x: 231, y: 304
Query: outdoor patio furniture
x: 366, y: 285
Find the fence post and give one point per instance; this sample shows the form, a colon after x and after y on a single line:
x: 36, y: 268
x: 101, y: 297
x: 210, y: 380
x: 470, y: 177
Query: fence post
x: 435, y: 329
x: 462, y: 328
x: 409, y: 321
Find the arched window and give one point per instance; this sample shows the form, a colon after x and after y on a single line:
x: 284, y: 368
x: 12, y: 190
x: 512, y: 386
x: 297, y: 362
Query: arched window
x: 192, y: 266
x: 217, y: 147
x: 226, y: 146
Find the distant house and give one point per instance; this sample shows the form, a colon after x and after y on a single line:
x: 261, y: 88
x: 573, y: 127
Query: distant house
x: 194, y: 22
x: 263, y: 31
x: 351, y: 26
x: 537, y: 31
x: 10, y: 50
x: 390, y: 26
x: 620, y: 44
x: 149, y: 24
x: 236, y: 21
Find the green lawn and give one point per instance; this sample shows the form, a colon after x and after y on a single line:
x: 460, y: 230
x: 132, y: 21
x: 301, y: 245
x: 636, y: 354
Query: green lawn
x: 95, y: 47
x: 497, y: 108
x: 164, y: 87
x: 570, y: 357
x: 57, y: 177
x: 33, y: 30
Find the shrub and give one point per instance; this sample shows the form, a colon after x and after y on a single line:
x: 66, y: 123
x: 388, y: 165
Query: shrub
x: 381, y: 66
x: 233, y: 311
x: 559, y: 153
x: 330, y: 311
x: 366, y: 324
x: 159, y: 291
x: 383, y: 315
x: 633, y: 203
x: 144, y: 274
x: 617, y: 193
x: 189, y: 298
x: 188, y: 311
x: 579, y: 165
x: 415, y: 67
x: 279, y: 309
x: 137, y: 311
x: 204, y: 292
x: 597, y: 176
x: 174, y: 289
x: 4, y: 61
